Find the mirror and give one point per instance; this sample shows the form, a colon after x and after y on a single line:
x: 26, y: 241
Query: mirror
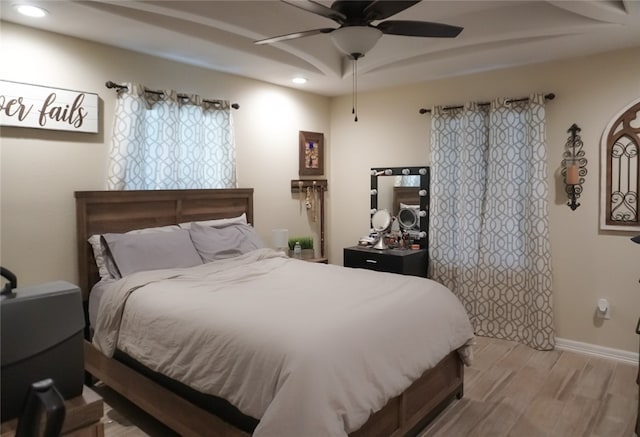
x: 381, y: 223
x: 408, y: 219
x: 409, y: 205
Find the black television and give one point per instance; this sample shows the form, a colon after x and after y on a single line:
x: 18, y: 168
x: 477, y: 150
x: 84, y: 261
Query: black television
x: 41, y: 336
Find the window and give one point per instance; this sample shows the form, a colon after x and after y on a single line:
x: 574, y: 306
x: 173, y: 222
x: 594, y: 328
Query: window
x: 163, y: 140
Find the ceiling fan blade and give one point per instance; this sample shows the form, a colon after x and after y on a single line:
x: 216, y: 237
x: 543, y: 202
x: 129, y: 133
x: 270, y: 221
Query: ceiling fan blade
x: 379, y: 10
x: 419, y: 28
x: 318, y: 9
x: 294, y: 35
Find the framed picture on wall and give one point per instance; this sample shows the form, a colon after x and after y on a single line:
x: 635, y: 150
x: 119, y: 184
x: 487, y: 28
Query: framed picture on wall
x: 311, y: 154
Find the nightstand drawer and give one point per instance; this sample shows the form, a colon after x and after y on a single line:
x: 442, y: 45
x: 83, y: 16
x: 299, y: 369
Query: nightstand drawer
x: 372, y: 261
x: 405, y: 262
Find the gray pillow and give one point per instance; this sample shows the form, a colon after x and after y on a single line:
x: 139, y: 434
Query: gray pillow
x: 106, y: 267
x: 224, y: 241
x: 242, y: 218
x: 161, y: 250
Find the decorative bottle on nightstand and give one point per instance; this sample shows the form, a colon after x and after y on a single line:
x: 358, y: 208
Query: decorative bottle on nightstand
x: 297, y: 250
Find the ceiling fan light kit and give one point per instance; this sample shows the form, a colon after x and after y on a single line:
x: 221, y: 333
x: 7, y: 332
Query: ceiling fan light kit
x: 356, y: 34
x: 355, y: 41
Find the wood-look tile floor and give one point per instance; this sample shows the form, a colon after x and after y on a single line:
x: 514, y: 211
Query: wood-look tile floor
x: 510, y: 390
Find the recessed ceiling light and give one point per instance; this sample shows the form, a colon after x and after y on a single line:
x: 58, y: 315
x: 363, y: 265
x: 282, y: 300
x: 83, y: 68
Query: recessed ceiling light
x: 30, y: 10
x: 299, y: 80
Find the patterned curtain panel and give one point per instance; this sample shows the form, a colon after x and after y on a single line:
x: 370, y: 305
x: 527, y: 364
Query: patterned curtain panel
x: 168, y: 142
x: 489, y: 219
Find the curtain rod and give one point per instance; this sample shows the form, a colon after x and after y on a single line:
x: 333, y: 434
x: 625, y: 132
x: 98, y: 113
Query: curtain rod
x: 109, y: 84
x: 549, y: 96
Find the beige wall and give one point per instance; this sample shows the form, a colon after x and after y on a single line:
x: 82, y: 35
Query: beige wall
x: 587, y: 263
x: 41, y: 169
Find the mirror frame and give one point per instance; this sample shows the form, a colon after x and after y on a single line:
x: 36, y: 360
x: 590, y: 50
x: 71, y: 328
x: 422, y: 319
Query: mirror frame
x: 423, y: 192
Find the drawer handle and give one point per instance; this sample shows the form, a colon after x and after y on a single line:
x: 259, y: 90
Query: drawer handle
x: 638, y: 327
x: 372, y: 261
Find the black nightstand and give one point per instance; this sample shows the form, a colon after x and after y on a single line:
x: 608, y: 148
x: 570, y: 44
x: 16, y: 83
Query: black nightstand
x: 403, y: 261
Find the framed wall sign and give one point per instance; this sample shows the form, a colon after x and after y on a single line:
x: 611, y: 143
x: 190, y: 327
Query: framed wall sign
x: 311, y: 154
x: 41, y: 107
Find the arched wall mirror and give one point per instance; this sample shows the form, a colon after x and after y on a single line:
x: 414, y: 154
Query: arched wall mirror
x: 408, y: 203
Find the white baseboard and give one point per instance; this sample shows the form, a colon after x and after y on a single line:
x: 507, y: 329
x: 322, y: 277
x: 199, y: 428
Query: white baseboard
x: 598, y: 351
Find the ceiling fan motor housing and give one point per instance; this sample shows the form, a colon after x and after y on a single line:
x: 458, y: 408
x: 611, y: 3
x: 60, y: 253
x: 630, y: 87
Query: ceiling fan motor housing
x: 356, y: 34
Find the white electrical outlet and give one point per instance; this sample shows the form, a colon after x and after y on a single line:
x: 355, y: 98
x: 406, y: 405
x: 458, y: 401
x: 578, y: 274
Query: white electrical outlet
x: 603, y: 310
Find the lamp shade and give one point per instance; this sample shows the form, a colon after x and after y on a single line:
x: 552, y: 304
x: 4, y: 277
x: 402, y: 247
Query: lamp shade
x: 355, y: 41
x: 280, y: 238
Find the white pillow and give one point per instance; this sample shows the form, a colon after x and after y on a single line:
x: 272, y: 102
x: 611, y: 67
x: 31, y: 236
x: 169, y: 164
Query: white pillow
x: 404, y: 205
x: 241, y: 219
x: 106, y: 267
x: 100, y: 257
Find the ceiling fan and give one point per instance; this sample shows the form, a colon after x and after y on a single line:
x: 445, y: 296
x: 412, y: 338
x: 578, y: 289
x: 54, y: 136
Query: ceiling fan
x: 356, y: 34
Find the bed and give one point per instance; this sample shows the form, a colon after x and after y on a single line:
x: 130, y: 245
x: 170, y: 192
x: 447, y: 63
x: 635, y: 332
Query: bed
x: 104, y: 212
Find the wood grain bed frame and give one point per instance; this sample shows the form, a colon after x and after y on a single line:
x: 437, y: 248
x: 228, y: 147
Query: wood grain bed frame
x: 120, y: 211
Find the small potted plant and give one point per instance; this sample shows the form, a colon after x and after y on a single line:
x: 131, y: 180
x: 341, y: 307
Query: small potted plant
x: 306, y: 244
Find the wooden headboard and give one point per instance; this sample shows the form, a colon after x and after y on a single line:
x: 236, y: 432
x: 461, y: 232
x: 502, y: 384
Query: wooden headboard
x: 99, y: 212
x: 406, y: 195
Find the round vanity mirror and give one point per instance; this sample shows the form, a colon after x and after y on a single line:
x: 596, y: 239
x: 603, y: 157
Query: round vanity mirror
x: 408, y: 218
x: 381, y: 222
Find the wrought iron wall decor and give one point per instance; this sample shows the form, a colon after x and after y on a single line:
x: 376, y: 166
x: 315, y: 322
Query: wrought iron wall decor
x: 620, y: 172
x: 574, y: 166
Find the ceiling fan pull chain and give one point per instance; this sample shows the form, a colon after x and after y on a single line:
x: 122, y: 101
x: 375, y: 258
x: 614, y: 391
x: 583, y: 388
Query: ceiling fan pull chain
x: 355, y: 88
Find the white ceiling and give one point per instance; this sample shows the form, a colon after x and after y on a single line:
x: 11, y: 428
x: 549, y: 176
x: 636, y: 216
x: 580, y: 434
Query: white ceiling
x: 219, y: 35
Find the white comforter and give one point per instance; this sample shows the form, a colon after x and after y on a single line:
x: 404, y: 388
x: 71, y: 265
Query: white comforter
x: 309, y: 349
